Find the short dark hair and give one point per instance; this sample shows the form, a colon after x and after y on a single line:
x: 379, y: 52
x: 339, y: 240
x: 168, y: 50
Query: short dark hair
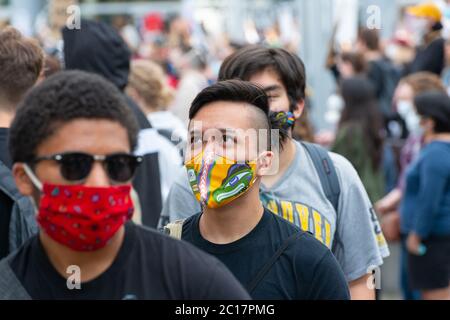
x: 370, y: 38
x: 250, y: 60
x: 357, y: 61
x: 63, y: 97
x: 435, y: 105
x: 235, y: 91
x: 423, y: 81
x: 21, y: 61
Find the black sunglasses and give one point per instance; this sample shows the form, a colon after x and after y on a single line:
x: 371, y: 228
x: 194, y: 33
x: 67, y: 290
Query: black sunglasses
x: 76, y: 166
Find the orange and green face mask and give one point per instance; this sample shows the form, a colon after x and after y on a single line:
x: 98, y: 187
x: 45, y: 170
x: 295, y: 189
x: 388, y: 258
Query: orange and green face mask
x: 216, y: 180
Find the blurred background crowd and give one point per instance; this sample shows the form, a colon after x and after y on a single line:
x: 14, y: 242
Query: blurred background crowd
x: 366, y: 61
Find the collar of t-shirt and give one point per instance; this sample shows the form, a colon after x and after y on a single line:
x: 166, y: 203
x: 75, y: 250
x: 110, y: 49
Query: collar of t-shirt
x: 218, y: 249
x: 49, y: 272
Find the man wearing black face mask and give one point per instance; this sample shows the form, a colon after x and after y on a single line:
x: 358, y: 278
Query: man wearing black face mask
x: 332, y: 204
x: 71, y: 143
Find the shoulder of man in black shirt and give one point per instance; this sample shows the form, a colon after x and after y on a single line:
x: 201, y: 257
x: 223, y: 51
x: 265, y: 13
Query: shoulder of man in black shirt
x: 429, y: 58
x: 149, y: 265
x: 307, y: 270
x: 197, y: 274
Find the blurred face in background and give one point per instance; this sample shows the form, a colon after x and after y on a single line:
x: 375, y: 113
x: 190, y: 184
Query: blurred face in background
x: 403, y: 100
x: 274, y: 88
x: 272, y: 84
x: 418, y: 27
x: 346, y: 69
x: 403, y: 92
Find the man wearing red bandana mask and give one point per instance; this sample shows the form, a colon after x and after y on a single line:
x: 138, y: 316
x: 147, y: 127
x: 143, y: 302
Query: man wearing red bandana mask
x: 71, y: 144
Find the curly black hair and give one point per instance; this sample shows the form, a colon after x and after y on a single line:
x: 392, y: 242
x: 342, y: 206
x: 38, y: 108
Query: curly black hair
x: 63, y: 97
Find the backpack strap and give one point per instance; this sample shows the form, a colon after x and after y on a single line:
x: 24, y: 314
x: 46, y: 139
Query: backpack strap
x: 326, y: 171
x: 174, y: 229
x: 266, y: 268
x: 166, y: 133
x: 328, y: 178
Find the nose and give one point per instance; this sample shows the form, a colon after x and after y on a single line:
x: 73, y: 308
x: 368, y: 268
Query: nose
x: 98, y: 176
x: 213, y: 146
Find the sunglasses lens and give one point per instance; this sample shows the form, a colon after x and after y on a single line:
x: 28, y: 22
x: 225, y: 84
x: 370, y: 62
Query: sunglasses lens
x: 121, y: 167
x: 76, y: 166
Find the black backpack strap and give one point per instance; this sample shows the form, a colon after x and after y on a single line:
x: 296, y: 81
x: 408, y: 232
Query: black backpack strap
x: 167, y: 133
x: 262, y: 273
x: 326, y: 171
x: 328, y: 178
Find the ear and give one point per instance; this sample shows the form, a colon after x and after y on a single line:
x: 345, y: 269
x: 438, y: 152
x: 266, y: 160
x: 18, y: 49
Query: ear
x: 22, y: 180
x: 431, y: 124
x: 264, y: 164
x: 298, y: 108
x: 427, y: 124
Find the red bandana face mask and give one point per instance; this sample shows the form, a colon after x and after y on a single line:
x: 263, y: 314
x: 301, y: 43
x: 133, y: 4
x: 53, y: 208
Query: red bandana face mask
x: 84, y: 218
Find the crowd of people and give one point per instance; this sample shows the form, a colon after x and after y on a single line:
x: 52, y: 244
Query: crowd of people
x: 169, y: 170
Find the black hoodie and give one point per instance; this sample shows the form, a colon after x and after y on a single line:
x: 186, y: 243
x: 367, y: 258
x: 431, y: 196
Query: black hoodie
x: 97, y: 47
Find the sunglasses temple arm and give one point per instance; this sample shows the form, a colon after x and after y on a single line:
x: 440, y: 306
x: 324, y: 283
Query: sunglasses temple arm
x: 32, y: 177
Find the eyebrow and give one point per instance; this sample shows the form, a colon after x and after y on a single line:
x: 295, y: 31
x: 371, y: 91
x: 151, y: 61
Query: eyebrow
x: 222, y: 130
x: 272, y: 88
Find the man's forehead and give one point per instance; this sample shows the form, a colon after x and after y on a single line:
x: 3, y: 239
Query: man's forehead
x: 268, y: 79
x: 223, y: 114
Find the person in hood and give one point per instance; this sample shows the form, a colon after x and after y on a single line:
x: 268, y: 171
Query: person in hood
x: 96, y: 47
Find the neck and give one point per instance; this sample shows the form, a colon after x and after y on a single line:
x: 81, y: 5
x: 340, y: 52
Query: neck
x: 285, y: 158
x: 372, y: 55
x: 439, y: 137
x: 287, y: 155
x: 431, y: 35
x: 150, y: 109
x: 234, y: 220
x: 91, y: 264
x: 6, y: 119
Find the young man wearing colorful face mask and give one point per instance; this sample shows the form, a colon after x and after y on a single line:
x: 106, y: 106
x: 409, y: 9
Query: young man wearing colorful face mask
x: 295, y: 192
x: 227, y: 158
x: 71, y: 143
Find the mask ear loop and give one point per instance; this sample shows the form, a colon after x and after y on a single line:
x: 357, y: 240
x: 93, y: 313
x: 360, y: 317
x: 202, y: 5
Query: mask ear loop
x: 32, y: 177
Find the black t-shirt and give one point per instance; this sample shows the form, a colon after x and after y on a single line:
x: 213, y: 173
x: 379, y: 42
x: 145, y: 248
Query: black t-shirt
x: 4, y: 151
x: 149, y: 265
x: 429, y: 58
x: 306, y: 270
